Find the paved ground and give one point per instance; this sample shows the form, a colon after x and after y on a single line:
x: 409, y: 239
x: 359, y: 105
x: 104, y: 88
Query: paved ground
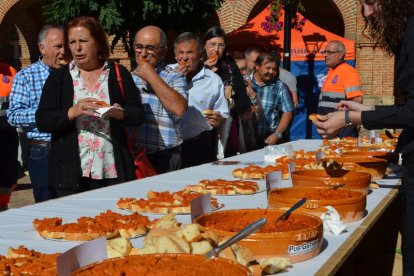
x: 23, y: 196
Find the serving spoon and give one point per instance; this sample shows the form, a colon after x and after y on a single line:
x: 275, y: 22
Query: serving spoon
x: 291, y: 209
x: 250, y: 229
x: 389, y: 134
x: 337, y: 186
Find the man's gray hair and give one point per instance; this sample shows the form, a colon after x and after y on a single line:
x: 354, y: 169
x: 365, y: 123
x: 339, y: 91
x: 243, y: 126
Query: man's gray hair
x: 189, y: 36
x: 340, y: 46
x: 45, y: 29
x: 248, y: 51
x: 163, y: 39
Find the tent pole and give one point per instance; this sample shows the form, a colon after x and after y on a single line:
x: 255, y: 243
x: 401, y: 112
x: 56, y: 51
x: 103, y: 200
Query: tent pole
x: 287, y: 34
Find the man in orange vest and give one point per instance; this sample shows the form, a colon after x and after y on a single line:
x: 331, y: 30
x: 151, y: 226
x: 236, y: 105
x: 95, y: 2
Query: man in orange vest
x: 341, y: 82
x: 9, y: 141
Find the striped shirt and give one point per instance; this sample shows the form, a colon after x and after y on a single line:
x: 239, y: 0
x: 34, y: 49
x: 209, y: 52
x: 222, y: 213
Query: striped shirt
x: 161, y: 129
x: 276, y: 100
x: 341, y: 83
x: 24, y: 99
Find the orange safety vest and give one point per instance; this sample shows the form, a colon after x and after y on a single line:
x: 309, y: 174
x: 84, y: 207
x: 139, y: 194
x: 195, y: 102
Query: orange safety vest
x: 341, y: 82
x: 7, y: 74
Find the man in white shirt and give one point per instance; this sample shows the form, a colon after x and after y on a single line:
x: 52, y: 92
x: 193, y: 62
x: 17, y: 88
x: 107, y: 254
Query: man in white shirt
x: 207, y: 104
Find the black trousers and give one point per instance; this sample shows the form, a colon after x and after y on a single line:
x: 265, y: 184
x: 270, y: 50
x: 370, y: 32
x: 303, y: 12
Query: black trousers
x: 167, y: 160
x: 9, y: 143
x: 407, y: 194
x: 200, y: 149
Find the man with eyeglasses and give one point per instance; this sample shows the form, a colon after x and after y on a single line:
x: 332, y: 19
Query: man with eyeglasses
x: 164, y: 99
x: 341, y: 82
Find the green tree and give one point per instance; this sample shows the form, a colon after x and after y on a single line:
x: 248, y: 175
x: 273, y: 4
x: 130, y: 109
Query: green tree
x: 122, y: 18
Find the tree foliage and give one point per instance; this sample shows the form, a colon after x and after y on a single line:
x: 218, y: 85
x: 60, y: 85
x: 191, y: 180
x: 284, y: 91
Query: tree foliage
x: 123, y: 17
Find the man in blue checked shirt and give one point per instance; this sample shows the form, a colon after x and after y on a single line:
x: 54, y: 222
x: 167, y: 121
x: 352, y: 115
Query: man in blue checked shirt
x: 24, y: 100
x: 276, y: 100
x: 164, y: 99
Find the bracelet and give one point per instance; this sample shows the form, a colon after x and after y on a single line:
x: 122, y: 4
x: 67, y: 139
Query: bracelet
x: 253, y: 99
x: 278, y: 134
x: 348, y: 121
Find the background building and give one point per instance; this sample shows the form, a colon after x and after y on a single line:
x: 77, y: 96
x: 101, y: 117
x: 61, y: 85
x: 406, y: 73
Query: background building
x: 21, y: 20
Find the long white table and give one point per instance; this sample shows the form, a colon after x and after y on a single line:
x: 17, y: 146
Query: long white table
x: 16, y: 224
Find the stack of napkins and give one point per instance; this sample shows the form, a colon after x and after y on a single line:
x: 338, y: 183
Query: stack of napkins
x: 332, y: 221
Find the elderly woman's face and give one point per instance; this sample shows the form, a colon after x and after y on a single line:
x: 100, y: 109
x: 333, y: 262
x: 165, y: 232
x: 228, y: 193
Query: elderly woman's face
x: 83, y: 47
x: 215, y: 45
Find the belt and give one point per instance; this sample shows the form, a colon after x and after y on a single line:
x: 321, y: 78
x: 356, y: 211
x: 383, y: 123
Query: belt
x: 39, y: 142
x: 166, y: 151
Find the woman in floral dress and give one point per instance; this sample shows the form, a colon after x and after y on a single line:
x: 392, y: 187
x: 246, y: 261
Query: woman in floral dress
x: 88, y: 151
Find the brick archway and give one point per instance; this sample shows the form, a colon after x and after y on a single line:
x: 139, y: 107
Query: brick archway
x: 26, y: 17
x: 234, y: 13
x: 5, y: 6
x: 349, y: 11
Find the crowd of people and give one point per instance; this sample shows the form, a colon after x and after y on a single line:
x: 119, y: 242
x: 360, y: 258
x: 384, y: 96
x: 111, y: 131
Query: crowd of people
x: 202, y: 108
x: 208, y: 105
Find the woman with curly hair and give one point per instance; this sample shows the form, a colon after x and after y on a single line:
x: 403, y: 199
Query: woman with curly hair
x: 391, y: 26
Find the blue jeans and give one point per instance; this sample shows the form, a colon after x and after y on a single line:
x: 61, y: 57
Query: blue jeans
x: 39, y: 173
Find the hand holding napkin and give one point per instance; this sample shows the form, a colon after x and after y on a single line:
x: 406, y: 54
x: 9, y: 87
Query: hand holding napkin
x: 103, y: 110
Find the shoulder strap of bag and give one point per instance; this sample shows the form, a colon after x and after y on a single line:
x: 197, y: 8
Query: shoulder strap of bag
x: 133, y: 135
x: 118, y: 76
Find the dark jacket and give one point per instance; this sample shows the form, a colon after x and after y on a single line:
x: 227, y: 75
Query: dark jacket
x: 399, y: 116
x: 230, y: 74
x: 51, y: 116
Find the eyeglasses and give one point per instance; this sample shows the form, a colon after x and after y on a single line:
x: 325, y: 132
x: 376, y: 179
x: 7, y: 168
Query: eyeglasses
x: 152, y: 49
x: 329, y: 53
x: 214, y: 45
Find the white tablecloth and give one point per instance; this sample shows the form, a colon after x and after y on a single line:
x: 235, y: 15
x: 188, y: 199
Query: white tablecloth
x: 16, y: 224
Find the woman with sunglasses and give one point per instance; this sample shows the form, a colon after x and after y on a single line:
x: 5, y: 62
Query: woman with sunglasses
x: 391, y: 25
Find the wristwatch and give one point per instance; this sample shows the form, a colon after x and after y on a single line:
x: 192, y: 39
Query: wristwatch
x: 348, y: 121
x: 278, y: 134
x: 253, y: 99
